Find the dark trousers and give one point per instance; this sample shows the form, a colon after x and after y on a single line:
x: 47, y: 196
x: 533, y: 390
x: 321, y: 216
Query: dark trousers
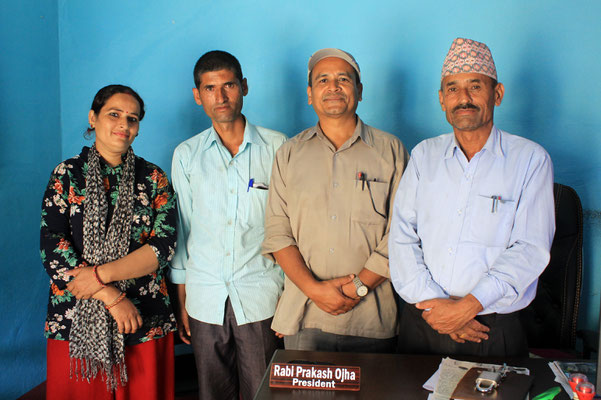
x: 230, y: 358
x: 505, y: 339
x: 316, y: 340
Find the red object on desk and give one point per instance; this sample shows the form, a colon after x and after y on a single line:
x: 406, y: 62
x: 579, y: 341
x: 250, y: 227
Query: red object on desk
x: 585, y: 390
x: 575, y: 379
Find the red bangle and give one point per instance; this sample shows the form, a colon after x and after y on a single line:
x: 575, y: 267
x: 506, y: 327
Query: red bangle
x: 116, y: 301
x: 95, y: 269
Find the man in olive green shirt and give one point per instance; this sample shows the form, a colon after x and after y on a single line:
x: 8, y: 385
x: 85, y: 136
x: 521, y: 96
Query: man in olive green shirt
x: 327, y: 220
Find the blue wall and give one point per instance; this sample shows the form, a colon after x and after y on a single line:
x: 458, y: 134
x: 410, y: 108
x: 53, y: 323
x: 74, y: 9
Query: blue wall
x: 547, y: 55
x: 30, y: 146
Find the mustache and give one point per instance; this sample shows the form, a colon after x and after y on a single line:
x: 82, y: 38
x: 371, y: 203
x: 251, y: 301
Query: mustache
x: 466, y: 106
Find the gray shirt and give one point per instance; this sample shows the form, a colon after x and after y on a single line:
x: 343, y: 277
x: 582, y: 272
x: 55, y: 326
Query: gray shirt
x: 319, y: 202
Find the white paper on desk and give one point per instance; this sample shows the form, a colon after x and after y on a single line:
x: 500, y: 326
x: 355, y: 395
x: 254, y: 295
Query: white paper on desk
x: 449, y: 376
x: 430, y: 384
x: 451, y: 371
x: 561, y: 379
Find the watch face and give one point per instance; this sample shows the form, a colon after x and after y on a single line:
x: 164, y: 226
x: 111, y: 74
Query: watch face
x: 362, y: 291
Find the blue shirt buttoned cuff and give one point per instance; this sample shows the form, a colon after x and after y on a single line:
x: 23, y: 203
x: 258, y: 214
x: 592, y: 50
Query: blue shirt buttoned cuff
x: 488, y: 291
x: 177, y: 276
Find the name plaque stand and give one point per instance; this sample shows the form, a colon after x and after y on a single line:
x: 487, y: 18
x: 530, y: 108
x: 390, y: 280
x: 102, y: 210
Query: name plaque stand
x: 312, y: 376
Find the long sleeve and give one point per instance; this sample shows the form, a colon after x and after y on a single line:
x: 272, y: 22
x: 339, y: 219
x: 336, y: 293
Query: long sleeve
x: 57, y: 248
x: 514, y: 272
x: 378, y: 262
x: 408, y: 272
x: 162, y: 238
x: 278, y: 231
x: 181, y: 184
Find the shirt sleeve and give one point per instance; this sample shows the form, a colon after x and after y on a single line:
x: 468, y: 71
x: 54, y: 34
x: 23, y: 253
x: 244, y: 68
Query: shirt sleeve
x: 377, y: 261
x: 181, y: 184
x: 278, y: 231
x: 408, y: 272
x: 57, y: 249
x: 162, y: 238
x: 515, y: 271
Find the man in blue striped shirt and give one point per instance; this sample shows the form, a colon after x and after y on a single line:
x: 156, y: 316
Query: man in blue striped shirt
x: 227, y: 291
x: 472, y: 223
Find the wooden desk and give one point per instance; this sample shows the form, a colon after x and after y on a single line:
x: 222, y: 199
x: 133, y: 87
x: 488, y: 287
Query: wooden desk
x: 391, y: 376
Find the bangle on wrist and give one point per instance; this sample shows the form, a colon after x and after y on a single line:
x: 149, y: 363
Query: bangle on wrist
x: 116, y: 301
x: 95, y: 269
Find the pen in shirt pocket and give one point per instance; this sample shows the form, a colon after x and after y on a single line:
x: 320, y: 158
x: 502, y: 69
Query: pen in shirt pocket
x: 256, y: 185
x: 362, y: 177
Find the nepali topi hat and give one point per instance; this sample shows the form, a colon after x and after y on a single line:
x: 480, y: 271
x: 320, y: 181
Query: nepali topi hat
x: 468, y: 56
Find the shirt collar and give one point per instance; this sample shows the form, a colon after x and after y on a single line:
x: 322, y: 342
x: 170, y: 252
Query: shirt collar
x: 251, y: 135
x: 361, y: 132
x: 493, y: 144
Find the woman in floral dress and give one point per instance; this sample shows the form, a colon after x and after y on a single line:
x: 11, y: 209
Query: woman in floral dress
x: 107, y: 234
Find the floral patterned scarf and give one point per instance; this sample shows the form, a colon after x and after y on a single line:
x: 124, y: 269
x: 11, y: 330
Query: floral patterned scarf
x: 95, y: 343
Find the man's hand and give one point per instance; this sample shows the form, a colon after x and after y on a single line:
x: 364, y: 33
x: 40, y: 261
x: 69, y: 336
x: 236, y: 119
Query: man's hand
x: 473, y: 331
x: 448, y: 315
x: 350, y: 290
x: 183, y: 325
x: 84, y: 284
x: 328, y: 295
x: 183, y: 321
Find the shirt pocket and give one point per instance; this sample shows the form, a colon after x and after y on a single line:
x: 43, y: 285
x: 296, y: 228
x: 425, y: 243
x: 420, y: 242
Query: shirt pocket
x: 370, y: 202
x: 492, y: 219
x: 253, y: 208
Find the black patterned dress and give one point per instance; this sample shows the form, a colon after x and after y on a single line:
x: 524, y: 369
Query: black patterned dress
x: 61, y: 242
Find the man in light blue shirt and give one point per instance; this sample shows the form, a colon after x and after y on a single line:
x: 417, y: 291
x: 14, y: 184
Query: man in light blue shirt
x: 472, y: 223
x: 227, y: 291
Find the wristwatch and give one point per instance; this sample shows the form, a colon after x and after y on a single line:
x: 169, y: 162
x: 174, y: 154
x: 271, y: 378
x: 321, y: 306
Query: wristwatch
x: 361, y: 288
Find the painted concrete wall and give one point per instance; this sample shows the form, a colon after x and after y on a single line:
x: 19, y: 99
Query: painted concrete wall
x: 30, y: 146
x: 547, y: 55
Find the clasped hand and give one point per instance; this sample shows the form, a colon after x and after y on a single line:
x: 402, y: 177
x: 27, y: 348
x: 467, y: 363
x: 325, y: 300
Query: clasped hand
x: 330, y: 295
x: 84, y: 284
x: 455, y: 317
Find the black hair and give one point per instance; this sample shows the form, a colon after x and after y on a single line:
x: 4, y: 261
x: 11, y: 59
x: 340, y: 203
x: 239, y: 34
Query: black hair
x: 214, y: 61
x: 493, y: 82
x: 104, y: 94
x: 108, y: 91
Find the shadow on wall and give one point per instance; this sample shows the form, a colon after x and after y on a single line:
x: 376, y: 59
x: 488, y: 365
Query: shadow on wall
x: 386, y: 106
x: 294, y: 93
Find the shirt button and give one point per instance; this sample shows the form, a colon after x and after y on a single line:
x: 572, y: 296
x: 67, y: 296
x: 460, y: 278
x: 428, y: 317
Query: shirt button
x: 229, y: 222
x: 232, y: 191
x: 333, y: 217
x: 335, y: 184
x: 331, y: 250
x: 228, y: 254
x: 459, y: 211
x: 450, y: 250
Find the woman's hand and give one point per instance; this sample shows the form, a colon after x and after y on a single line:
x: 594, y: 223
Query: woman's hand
x: 84, y: 285
x: 127, y: 316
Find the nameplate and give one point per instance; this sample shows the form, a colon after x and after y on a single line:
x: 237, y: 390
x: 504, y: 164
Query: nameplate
x: 311, y: 376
